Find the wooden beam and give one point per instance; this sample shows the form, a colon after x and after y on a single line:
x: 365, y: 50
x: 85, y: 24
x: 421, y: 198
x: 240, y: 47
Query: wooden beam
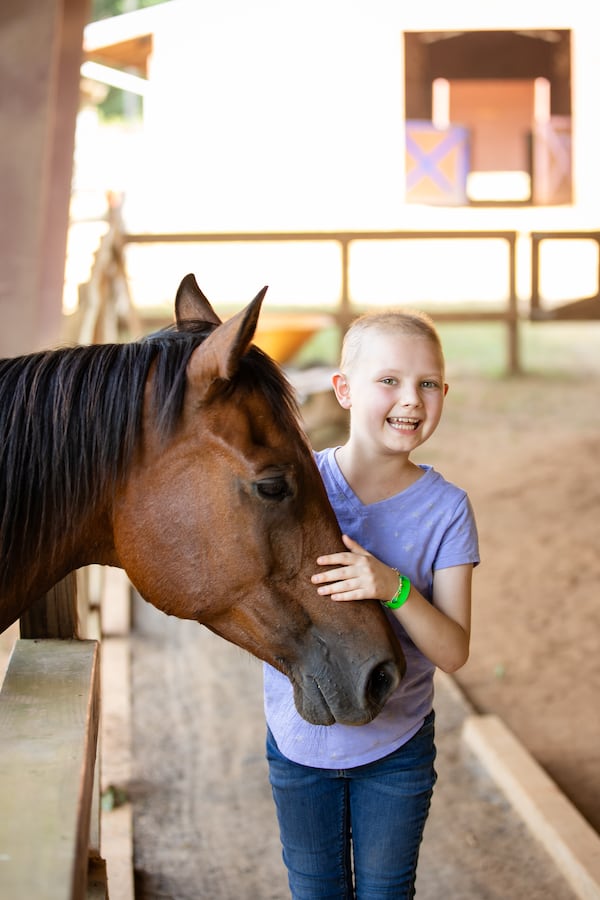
x: 41, y: 51
x: 49, y: 718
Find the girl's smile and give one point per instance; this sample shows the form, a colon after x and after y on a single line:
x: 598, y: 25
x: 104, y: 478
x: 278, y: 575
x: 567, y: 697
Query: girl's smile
x: 404, y: 424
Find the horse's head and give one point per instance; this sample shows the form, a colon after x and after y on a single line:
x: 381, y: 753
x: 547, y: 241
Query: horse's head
x: 223, y: 521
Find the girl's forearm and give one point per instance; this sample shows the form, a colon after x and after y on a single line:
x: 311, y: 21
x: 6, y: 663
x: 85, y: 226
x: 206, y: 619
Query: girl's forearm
x: 442, y: 640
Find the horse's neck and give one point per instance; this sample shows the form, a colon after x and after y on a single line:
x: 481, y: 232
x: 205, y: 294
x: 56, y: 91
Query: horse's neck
x: 87, y: 543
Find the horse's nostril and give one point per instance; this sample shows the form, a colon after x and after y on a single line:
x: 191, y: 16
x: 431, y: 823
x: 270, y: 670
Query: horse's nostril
x: 382, y: 681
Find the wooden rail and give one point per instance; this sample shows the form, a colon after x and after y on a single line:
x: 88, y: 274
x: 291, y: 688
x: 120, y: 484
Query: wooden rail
x: 508, y: 315
x: 49, y: 760
x: 49, y: 719
x: 581, y: 309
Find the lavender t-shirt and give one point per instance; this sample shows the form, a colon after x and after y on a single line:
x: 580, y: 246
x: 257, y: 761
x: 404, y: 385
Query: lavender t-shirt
x: 428, y: 526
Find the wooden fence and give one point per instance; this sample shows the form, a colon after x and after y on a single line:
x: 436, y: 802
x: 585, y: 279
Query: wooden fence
x: 508, y: 315
x: 110, y: 311
x: 584, y: 308
x: 49, y: 772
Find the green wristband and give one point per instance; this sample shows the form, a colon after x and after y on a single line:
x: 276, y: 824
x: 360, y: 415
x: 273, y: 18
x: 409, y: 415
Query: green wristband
x: 401, y: 595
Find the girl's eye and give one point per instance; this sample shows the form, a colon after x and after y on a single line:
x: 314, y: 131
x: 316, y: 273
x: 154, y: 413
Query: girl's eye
x: 429, y: 384
x: 388, y: 380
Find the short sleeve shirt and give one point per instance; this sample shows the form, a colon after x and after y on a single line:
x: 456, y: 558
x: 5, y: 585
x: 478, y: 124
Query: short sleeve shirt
x: 430, y: 525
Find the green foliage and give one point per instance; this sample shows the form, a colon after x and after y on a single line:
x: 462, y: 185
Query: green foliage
x: 117, y: 105
x: 104, y: 9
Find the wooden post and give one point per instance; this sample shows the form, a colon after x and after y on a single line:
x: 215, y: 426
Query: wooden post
x: 55, y: 614
x: 41, y: 47
x: 514, y: 355
x: 49, y: 723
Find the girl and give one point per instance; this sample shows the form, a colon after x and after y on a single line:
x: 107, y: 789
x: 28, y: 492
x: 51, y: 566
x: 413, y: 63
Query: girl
x: 352, y: 801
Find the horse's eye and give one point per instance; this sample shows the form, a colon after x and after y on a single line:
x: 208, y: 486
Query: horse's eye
x: 276, y: 488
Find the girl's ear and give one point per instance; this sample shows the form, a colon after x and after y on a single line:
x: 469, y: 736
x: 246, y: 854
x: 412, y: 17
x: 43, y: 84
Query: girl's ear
x: 342, y: 390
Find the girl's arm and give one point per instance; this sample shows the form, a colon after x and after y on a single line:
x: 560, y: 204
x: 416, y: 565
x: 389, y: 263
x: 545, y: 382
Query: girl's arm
x: 441, y: 630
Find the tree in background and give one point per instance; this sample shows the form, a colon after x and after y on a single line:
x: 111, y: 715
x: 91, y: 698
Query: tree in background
x: 116, y: 104
x: 104, y: 9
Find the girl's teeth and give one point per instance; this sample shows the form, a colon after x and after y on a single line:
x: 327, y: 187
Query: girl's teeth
x: 412, y: 423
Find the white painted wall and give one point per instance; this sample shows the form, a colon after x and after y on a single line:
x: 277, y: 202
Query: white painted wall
x: 281, y: 115
x: 275, y: 115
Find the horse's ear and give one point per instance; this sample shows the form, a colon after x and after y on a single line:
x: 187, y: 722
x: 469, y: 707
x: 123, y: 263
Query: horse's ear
x: 217, y: 358
x: 192, y: 305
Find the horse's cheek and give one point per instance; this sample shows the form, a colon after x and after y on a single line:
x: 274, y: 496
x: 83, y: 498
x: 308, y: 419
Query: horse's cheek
x: 145, y: 536
x: 285, y: 543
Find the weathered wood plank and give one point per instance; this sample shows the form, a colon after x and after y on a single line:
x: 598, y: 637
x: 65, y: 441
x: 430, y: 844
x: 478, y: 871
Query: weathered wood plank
x: 49, y: 717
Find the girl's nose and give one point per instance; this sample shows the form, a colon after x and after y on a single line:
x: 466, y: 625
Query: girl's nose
x: 409, y: 394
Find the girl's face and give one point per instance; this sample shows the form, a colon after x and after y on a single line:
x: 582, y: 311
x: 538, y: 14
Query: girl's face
x: 394, y: 390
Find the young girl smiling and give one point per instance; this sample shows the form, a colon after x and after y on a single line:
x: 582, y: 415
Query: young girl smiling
x: 352, y: 802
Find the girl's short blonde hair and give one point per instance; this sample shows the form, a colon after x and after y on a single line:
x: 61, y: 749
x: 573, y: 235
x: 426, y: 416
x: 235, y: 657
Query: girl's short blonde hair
x: 412, y: 323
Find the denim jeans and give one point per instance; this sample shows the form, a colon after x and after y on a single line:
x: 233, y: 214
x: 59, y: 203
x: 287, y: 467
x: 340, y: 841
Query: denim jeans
x: 354, y: 833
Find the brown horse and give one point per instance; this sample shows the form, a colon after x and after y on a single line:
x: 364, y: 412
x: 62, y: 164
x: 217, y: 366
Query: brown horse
x: 180, y: 458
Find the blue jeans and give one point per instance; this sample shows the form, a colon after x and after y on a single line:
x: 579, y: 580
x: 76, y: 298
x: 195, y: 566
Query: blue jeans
x: 356, y: 832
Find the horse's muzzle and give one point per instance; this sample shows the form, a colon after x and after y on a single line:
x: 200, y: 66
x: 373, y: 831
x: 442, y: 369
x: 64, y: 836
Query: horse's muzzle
x: 349, y: 694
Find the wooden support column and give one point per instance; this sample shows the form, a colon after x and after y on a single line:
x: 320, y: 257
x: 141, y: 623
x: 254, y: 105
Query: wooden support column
x: 40, y: 55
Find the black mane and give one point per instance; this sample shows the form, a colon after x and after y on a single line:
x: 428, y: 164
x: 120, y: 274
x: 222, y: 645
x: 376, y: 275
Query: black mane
x: 70, y: 422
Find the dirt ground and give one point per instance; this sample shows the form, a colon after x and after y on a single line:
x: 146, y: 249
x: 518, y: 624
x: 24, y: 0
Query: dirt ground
x: 204, y: 820
x: 528, y: 452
